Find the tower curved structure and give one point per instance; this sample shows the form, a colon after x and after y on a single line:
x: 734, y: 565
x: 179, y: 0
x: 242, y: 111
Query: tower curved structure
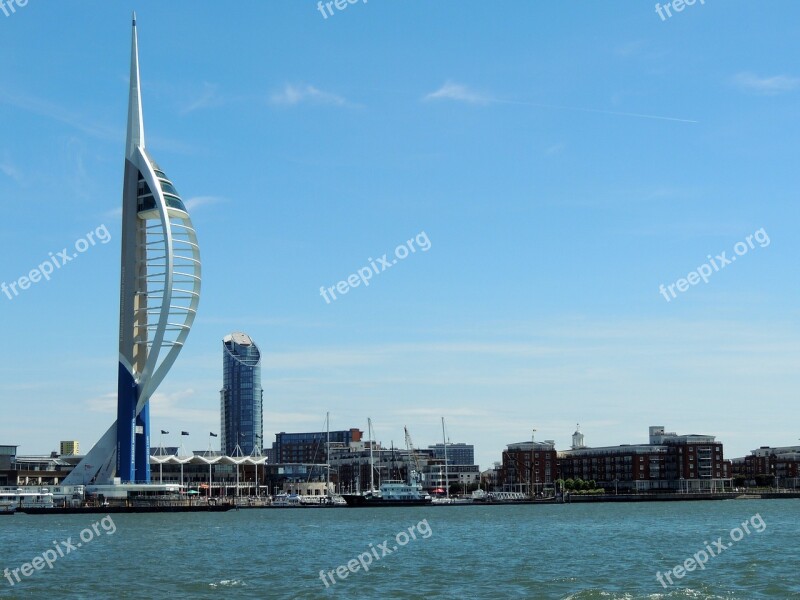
x: 159, y: 295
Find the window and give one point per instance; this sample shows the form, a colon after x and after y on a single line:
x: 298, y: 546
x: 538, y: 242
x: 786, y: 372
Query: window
x: 168, y: 188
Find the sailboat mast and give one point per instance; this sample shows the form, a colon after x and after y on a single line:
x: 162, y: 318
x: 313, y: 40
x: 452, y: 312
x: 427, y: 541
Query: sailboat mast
x: 328, y: 455
x: 446, y: 473
x: 371, y: 460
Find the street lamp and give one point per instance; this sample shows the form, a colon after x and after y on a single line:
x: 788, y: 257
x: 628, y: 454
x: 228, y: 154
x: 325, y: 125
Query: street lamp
x: 241, y: 435
x: 257, y: 438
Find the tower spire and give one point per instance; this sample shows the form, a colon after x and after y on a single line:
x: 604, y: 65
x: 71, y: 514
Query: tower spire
x: 135, y: 119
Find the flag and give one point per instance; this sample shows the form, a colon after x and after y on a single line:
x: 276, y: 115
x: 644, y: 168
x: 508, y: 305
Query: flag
x: 184, y: 433
x: 164, y: 432
x: 212, y: 434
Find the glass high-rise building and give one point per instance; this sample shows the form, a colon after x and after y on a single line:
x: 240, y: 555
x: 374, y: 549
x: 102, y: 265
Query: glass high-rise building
x: 241, y: 397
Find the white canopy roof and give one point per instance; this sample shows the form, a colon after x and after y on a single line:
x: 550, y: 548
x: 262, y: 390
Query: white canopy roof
x: 197, y: 459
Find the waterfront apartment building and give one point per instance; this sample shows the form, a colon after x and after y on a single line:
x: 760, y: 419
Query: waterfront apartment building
x: 457, y: 454
x: 70, y: 447
x: 529, y: 467
x: 778, y: 466
x: 669, y: 462
x: 241, y: 396
x: 311, y: 447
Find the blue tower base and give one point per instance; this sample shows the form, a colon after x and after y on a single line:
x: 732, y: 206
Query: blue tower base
x: 142, y: 452
x: 127, y: 397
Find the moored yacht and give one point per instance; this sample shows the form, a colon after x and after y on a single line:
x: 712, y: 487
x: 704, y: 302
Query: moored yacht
x: 391, y: 493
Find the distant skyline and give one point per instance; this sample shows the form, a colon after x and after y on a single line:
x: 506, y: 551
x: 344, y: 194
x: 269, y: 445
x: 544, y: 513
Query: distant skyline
x: 564, y: 162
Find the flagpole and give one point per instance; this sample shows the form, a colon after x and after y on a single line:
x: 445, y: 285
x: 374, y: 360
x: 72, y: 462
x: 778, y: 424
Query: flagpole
x: 182, y: 434
x: 160, y: 464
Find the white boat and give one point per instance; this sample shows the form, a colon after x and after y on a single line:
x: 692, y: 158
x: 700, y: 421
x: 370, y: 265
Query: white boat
x: 20, y: 498
x: 286, y: 501
x: 391, y: 493
x: 452, y: 500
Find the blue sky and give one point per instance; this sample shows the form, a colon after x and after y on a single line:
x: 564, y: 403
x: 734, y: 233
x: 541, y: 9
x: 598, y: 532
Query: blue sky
x: 563, y: 159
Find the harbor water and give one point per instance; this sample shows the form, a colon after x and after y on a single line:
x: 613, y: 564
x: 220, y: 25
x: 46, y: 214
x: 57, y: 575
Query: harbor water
x: 577, y: 552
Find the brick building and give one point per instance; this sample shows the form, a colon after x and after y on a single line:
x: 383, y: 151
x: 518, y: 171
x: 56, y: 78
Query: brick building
x: 529, y: 466
x: 311, y: 447
x: 778, y: 466
x: 669, y: 462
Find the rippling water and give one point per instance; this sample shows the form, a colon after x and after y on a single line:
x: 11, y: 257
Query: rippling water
x: 576, y: 552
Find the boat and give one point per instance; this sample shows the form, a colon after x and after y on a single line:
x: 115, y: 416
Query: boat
x: 391, y: 493
x: 451, y: 501
x: 286, y: 501
x: 7, y: 508
x: 27, y: 498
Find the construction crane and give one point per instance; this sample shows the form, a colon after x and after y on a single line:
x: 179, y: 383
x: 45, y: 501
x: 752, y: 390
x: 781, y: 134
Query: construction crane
x: 413, y: 453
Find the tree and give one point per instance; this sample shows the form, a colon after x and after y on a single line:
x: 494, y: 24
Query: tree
x: 579, y: 484
x: 592, y: 485
x: 569, y: 484
x: 764, y: 480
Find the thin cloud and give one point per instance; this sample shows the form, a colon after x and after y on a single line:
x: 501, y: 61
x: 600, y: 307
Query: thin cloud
x: 10, y: 170
x: 106, y: 403
x: 556, y: 148
x: 455, y: 91
x: 197, y: 201
x: 114, y: 213
x: 461, y: 93
x: 50, y: 110
x: 179, y: 406
x: 292, y: 95
x: 629, y: 48
x: 207, y: 99
x: 766, y: 85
